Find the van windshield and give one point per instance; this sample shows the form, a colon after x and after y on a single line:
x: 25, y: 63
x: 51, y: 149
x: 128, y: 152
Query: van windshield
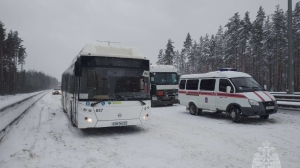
x: 246, y: 84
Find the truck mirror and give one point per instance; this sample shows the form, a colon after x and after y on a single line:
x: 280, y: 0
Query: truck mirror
x: 78, y: 68
x: 153, y: 89
x: 228, y: 88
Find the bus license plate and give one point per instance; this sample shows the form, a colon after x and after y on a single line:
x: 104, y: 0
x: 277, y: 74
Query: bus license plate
x: 269, y: 107
x: 120, y: 123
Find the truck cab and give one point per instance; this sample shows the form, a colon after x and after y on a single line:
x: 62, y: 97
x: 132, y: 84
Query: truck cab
x: 164, y: 85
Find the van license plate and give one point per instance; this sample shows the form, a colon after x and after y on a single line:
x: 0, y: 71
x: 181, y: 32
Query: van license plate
x: 269, y: 107
x: 120, y: 123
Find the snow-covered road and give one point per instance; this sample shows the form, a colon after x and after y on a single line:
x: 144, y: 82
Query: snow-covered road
x: 171, y: 138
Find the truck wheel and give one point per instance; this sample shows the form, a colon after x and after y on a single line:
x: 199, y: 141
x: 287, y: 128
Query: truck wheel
x: 235, y: 114
x: 193, y: 109
x: 264, y: 116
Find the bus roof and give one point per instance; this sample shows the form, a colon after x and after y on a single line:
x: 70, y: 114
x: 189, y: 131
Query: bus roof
x: 162, y: 68
x: 108, y: 51
x: 216, y: 74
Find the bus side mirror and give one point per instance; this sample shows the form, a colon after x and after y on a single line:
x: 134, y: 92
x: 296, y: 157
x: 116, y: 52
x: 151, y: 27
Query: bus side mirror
x: 228, y: 88
x: 78, y: 68
x: 153, y: 89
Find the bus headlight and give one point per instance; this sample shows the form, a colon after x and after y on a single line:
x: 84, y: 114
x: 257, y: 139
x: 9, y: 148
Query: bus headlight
x: 253, y: 102
x: 89, y: 120
x: 154, y: 98
x: 146, y: 116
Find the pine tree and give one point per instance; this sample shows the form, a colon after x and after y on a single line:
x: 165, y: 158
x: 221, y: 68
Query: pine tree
x: 232, y: 38
x: 206, y: 54
x: 257, y: 38
x: 219, y: 50
x: 186, y: 51
x: 169, y: 53
x: 192, y: 58
x: 280, y: 44
x: 296, y: 35
x: 268, y: 53
x: 200, y: 56
x: 2, y: 38
x: 160, y: 57
x: 244, y: 34
x: 177, y: 59
x: 182, y: 63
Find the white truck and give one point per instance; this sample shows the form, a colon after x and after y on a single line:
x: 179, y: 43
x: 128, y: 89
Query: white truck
x: 164, y: 85
x: 235, y: 93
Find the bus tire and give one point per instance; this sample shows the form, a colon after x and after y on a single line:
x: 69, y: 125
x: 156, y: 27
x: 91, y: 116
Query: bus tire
x: 236, y: 114
x: 264, y: 116
x: 72, y: 118
x: 193, y: 109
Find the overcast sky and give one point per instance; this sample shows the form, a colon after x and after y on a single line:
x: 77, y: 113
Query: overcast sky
x: 54, y: 31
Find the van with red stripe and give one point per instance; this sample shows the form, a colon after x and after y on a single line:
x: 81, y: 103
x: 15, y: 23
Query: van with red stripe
x: 226, y: 90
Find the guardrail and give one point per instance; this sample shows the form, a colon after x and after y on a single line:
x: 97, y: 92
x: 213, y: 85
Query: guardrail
x: 9, y: 115
x: 18, y: 102
x: 287, y: 101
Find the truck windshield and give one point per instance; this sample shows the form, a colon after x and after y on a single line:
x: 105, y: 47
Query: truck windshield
x: 104, y: 84
x: 164, y: 78
x: 246, y: 84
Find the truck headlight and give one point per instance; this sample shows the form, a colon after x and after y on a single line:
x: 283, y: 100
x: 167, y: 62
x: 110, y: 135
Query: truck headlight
x: 253, y: 102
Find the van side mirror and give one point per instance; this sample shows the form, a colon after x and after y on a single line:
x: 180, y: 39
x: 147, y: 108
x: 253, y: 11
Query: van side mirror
x: 265, y: 87
x: 228, y: 88
x: 153, y: 89
x: 78, y: 68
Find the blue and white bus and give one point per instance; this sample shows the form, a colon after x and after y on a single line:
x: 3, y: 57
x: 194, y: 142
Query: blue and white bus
x: 107, y: 86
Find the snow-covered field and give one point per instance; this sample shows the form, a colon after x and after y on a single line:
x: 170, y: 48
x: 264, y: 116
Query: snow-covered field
x: 171, y: 138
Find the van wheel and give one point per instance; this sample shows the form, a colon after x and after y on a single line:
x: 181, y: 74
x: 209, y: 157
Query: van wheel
x: 193, y: 109
x: 235, y: 114
x: 264, y: 116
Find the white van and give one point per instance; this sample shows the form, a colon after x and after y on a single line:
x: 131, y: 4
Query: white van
x: 235, y: 93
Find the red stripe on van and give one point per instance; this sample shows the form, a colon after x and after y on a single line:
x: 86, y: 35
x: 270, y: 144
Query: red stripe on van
x: 181, y: 91
x: 192, y: 93
x: 207, y: 93
x: 259, y: 96
x: 232, y: 95
x: 268, y: 96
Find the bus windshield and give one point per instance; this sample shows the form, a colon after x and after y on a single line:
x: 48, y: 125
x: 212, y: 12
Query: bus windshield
x: 104, y: 84
x: 164, y: 78
x: 246, y: 84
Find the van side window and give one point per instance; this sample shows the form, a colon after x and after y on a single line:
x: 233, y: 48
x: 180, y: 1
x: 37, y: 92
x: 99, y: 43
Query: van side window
x: 192, y: 84
x: 223, y: 84
x: 208, y: 84
x: 182, y: 84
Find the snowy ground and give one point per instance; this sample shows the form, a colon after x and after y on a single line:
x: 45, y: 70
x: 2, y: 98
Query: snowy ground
x: 172, y: 138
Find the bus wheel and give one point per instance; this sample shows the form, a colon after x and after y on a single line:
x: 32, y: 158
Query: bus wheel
x: 193, y: 109
x: 264, y: 116
x: 235, y: 114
